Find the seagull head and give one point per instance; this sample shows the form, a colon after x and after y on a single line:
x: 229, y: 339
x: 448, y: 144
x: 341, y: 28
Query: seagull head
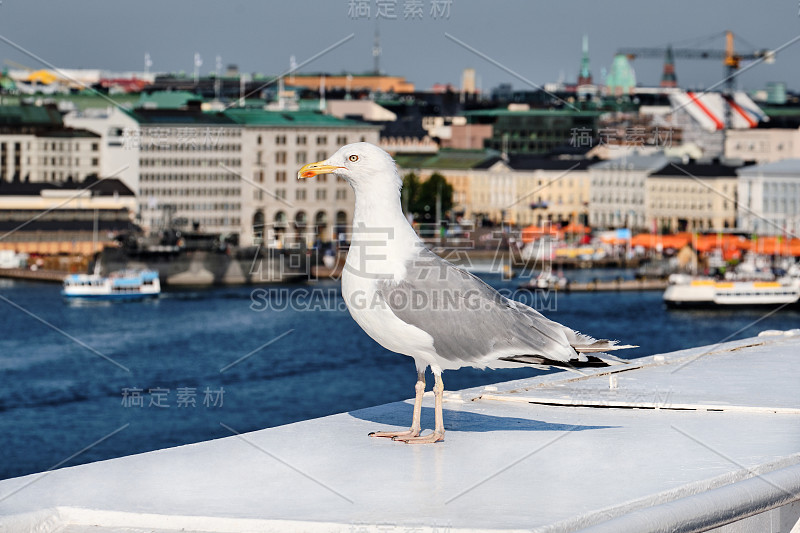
x: 363, y: 165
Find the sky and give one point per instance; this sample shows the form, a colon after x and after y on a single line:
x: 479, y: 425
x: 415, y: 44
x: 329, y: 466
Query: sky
x: 539, y: 41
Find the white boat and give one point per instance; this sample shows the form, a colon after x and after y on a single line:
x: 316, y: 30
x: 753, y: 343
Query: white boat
x: 546, y: 281
x: 691, y: 291
x: 123, y: 285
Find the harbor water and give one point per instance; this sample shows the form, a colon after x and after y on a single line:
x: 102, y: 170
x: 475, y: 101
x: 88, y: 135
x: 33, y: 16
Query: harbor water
x: 82, y: 383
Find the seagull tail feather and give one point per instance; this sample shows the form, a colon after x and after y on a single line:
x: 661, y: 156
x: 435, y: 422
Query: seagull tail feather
x: 585, y: 344
x: 601, y: 346
x: 585, y: 361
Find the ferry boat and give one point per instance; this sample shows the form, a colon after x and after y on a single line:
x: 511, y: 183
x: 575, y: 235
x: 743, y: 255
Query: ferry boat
x: 688, y: 291
x: 123, y: 285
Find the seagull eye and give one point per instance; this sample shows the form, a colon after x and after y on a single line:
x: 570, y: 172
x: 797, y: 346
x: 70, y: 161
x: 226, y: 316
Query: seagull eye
x: 353, y: 158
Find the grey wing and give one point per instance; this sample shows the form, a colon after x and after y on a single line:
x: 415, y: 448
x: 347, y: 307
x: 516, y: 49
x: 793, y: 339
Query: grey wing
x: 469, y: 321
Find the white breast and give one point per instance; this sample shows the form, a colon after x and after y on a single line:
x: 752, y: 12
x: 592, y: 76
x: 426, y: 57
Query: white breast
x: 362, y: 272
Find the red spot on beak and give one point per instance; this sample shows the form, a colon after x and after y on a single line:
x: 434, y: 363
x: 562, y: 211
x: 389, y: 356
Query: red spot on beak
x: 308, y: 174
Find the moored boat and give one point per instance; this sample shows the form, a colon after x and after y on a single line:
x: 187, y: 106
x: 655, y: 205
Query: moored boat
x: 689, y: 291
x: 123, y: 285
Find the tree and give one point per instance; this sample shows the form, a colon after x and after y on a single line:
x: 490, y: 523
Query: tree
x: 409, y: 192
x: 421, y: 198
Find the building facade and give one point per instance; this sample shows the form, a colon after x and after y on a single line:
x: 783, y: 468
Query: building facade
x: 769, y: 198
x: 618, y: 192
x: 276, y: 207
x: 763, y: 145
x: 231, y: 171
x: 518, y: 191
x: 36, y: 146
x: 116, y: 128
x: 534, y: 131
x: 692, y: 197
x: 64, y: 217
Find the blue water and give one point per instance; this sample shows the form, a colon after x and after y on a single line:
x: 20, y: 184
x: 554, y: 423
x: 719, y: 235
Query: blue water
x: 60, y: 395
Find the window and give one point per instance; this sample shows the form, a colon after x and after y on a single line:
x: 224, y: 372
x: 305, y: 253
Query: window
x: 280, y: 139
x: 300, y: 158
x: 280, y: 193
x: 341, y: 194
x: 280, y: 176
x: 280, y: 157
x: 300, y: 194
x: 322, y: 139
x: 322, y: 194
x: 95, y: 147
x: 301, y: 140
x: 341, y: 139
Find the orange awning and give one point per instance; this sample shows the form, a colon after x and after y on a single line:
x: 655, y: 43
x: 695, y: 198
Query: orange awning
x: 531, y: 233
x: 576, y: 228
x: 649, y: 240
x: 774, y: 246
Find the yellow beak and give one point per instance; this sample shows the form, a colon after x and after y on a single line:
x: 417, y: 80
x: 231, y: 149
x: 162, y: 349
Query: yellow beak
x: 315, y: 169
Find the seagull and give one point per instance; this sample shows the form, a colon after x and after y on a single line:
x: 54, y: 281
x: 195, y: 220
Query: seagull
x: 414, y: 303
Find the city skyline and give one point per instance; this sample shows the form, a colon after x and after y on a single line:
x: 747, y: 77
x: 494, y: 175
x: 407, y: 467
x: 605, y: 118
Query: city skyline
x: 263, y: 37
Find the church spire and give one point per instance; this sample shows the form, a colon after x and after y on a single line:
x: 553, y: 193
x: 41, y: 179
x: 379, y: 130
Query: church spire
x: 668, y: 78
x: 585, y: 76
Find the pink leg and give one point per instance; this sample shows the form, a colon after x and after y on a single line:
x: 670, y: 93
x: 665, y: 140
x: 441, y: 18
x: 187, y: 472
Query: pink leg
x: 415, y: 423
x: 438, y: 433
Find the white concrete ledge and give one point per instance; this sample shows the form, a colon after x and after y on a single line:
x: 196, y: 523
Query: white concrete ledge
x: 687, y: 441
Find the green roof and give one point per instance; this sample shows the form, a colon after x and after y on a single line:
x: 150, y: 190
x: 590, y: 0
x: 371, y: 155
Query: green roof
x: 176, y: 117
x: 263, y: 117
x: 781, y: 111
x: 79, y: 133
x: 446, y: 158
x: 532, y: 113
x: 82, y: 101
x: 166, y: 99
x: 29, y: 115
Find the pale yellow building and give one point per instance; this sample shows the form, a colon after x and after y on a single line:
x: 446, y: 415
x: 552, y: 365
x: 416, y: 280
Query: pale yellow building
x: 520, y: 191
x: 692, y: 197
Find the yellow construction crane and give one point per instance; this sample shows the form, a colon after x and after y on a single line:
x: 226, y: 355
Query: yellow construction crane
x: 730, y: 59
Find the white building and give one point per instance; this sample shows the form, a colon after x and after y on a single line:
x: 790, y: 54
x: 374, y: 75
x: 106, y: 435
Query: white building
x: 112, y: 124
x: 769, y: 198
x: 230, y: 172
x: 276, y: 205
x: 618, y: 192
x: 35, y: 146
